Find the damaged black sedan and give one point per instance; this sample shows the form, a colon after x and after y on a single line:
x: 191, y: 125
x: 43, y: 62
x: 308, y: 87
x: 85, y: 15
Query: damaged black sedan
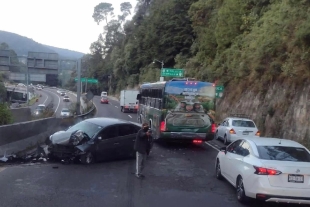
x: 95, y: 139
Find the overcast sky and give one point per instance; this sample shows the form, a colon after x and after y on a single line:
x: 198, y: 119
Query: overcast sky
x: 61, y: 23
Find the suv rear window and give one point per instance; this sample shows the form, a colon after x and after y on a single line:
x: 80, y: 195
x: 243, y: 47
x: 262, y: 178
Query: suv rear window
x: 243, y: 123
x: 280, y: 153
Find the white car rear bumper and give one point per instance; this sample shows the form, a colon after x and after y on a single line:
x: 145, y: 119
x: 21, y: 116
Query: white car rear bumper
x: 259, y: 187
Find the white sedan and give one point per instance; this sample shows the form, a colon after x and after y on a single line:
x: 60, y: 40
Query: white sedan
x: 268, y: 169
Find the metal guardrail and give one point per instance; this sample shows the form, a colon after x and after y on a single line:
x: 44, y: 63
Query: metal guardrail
x: 85, y: 114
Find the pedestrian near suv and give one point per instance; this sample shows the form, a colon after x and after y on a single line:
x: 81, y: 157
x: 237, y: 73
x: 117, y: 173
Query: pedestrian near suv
x: 141, y: 147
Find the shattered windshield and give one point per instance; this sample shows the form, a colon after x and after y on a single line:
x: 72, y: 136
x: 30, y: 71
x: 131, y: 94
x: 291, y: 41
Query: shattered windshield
x: 89, y: 128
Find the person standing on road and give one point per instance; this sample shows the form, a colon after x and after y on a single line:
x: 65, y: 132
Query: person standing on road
x: 141, y: 148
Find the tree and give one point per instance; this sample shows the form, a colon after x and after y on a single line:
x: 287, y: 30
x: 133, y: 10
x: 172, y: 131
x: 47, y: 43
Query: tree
x: 125, y: 9
x: 102, y: 11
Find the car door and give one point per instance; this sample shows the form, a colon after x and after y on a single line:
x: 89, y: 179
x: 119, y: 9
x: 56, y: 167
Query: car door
x: 222, y: 129
x: 127, y: 137
x: 107, y: 143
x: 229, y: 157
x: 236, y: 162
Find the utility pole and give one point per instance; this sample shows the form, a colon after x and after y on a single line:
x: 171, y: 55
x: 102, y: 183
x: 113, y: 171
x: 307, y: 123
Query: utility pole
x: 27, y: 79
x: 78, y: 94
x: 162, y: 66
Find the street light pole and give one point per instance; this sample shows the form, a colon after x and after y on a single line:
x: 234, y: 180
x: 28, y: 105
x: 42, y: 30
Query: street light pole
x: 162, y: 66
x: 78, y: 94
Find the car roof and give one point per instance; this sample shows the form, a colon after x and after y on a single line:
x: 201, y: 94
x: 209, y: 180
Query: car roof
x: 65, y: 109
x: 238, y: 118
x: 102, y: 121
x: 270, y: 141
x: 41, y: 105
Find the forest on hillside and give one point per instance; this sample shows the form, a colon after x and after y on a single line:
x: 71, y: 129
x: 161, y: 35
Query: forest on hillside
x: 244, y: 42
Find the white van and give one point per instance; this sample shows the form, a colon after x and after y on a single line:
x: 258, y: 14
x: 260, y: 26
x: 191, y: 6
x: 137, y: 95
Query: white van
x: 103, y: 93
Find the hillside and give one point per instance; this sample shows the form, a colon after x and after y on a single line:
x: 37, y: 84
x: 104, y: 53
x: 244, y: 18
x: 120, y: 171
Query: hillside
x: 22, y: 45
x: 258, y: 49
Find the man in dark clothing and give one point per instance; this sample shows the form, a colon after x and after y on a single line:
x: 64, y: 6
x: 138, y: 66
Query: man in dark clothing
x: 141, y: 148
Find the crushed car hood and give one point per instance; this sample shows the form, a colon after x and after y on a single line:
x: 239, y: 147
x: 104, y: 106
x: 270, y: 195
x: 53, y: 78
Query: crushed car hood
x: 61, y: 137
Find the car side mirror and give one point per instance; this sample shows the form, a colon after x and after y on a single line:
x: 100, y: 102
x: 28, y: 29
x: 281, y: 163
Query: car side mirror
x: 223, y: 149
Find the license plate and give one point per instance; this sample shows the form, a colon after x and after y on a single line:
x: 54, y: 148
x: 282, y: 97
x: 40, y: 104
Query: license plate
x: 296, y: 178
x: 245, y: 133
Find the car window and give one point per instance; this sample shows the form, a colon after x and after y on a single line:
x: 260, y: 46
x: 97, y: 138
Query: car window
x: 89, y: 128
x: 233, y: 146
x: 243, y: 149
x: 282, y: 153
x: 109, y: 132
x: 243, y: 123
x: 126, y: 129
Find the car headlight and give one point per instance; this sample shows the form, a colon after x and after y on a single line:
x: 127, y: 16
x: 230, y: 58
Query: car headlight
x: 77, y: 137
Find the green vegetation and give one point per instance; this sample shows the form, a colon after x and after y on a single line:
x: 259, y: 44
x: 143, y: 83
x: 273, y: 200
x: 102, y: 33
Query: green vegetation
x: 5, y: 113
x: 248, y: 43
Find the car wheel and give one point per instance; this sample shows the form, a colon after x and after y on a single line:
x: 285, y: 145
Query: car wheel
x: 218, y: 170
x: 87, y: 158
x: 225, y: 140
x: 240, y: 191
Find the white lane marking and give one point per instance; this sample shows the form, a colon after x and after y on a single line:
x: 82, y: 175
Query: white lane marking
x: 58, y: 101
x: 2, y: 169
x: 129, y: 116
x: 46, y: 98
x: 116, y: 107
x: 212, y: 146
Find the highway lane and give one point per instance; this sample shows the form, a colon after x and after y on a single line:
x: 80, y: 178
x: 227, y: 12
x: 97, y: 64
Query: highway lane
x: 44, y: 99
x: 112, y: 109
x: 58, y: 103
x: 176, y: 175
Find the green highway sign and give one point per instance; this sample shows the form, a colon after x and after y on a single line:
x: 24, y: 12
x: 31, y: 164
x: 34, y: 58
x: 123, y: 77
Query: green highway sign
x: 89, y: 80
x: 219, y: 88
x: 170, y: 72
x: 219, y: 91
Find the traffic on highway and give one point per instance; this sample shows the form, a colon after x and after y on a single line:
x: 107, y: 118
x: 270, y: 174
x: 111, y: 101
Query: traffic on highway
x: 194, y: 160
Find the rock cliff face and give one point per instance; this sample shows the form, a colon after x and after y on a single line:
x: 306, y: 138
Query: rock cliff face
x: 282, y: 111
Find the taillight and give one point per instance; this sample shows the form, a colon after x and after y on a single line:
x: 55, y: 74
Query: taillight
x: 232, y: 131
x: 197, y: 141
x: 266, y: 171
x: 257, y: 133
x: 162, y: 126
x: 213, y: 128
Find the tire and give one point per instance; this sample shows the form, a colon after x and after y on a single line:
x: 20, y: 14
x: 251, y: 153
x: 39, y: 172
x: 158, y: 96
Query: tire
x: 242, y: 198
x: 122, y: 109
x: 218, y: 172
x: 87, y: 158
x: 225, y: 140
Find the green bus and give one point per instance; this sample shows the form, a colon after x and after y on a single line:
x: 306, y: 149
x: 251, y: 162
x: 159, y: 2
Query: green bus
x: 178, y: 110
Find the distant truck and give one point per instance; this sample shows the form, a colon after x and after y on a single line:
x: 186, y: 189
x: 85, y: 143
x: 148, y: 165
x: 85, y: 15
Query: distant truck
x: 128, y: 101
x: 104, y: 94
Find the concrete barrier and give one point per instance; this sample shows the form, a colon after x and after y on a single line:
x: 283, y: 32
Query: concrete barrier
x: 24, y: 136
x: 21, y: 115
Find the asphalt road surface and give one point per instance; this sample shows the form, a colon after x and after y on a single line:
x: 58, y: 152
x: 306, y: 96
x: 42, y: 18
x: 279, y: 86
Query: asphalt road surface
x: 112, y: 109
x: 176, y: 175
x: 49, y: 95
